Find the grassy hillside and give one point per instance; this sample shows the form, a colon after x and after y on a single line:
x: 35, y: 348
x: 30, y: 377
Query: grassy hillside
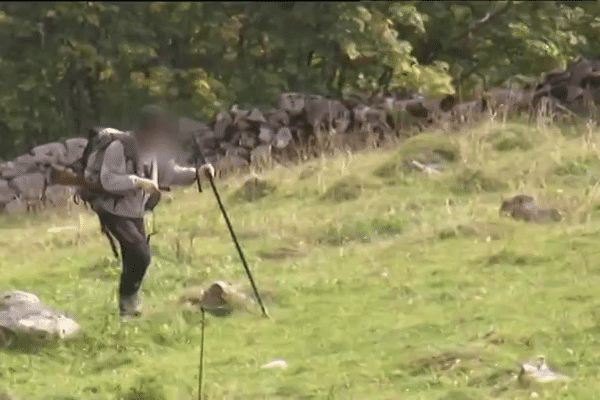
x: 387, y: 283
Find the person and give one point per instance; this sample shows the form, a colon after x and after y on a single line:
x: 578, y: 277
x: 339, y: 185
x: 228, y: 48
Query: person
x: 124, y: 219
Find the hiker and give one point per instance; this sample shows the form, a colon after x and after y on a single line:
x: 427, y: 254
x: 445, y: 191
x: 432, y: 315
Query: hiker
x: 135, y: 192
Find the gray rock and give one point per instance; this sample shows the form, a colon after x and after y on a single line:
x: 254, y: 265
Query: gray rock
x: 226, y: 146
x: 537, y: 371
x: 23, y: 314
x: 222, y: 121
x: 241, y: 124
x: 330, y: 112
x: 247, y: 140
x: 261, y: 158
x: 7, y: 194
x: 293, y: 103
x: 265, y: 134
x: 54, y: 153
x: 220, y: 299
x: 238, y: 152
x: 59, y: 196
x: 19, y: 166
x: 75, y: 148
x: 229, y: 164
x: 283, y: 138
x: 239, y: 112
x: 16, y: 206
x: 256, y: 116
x: 28, y: 186
x: 278, y: 118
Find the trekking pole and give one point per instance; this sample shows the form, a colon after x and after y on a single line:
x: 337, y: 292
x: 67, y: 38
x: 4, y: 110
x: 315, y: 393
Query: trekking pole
x: 201, y: 369
x: 235, y: 241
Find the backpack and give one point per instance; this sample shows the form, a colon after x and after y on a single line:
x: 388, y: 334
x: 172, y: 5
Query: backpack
x: 99, y: 138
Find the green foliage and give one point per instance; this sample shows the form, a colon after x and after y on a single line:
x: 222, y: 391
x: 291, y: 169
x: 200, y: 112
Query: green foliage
x: 69, y: 65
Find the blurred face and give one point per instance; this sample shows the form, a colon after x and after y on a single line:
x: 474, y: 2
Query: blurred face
x: 150, y: 132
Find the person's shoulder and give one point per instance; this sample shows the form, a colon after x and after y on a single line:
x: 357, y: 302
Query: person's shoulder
x: 115, y: 145
x: 115, y: 150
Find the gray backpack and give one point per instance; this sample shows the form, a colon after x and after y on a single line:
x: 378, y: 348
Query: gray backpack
x: 98, y: 141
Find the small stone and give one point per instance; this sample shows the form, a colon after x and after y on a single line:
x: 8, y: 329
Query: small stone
x: 276, y: 364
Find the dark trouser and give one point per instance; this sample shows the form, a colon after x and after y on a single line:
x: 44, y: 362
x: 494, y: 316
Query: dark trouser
x: 135, y: 251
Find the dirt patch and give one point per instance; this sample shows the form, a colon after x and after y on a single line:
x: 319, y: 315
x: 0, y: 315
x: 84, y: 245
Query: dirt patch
x: 282, y: 253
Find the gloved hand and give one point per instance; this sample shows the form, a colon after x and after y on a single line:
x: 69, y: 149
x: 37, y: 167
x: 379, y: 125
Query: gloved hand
x: 147, y: 186
x: 205, y: 169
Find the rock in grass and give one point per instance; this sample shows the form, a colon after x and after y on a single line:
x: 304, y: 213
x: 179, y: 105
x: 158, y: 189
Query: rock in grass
x: 537, y: 371
x: 275, y: 364
x: 524, y: 207
x: 24, y: 316
x: 220, y: 298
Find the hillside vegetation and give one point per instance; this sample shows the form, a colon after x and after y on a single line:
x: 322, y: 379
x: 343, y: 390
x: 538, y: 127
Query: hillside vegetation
x: 383, y: 283
x: 72, y: 65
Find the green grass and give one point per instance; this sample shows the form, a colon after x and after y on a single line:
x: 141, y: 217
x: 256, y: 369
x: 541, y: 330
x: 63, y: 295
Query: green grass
x: 385, y: 283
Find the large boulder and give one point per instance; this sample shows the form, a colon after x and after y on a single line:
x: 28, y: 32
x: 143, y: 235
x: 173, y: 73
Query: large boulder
x: 24, y: 316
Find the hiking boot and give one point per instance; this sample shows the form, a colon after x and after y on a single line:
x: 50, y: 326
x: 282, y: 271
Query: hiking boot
x: 130, y: 306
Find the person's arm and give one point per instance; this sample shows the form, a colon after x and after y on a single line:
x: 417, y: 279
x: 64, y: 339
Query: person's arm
x: 113, y: 174
x: 174, y: 174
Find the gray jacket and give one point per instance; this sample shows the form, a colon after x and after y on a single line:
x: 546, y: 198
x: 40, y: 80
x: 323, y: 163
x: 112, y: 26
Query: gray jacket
x: 118, y: 178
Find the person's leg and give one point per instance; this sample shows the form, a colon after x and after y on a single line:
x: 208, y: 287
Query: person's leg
x: 136, y: 257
